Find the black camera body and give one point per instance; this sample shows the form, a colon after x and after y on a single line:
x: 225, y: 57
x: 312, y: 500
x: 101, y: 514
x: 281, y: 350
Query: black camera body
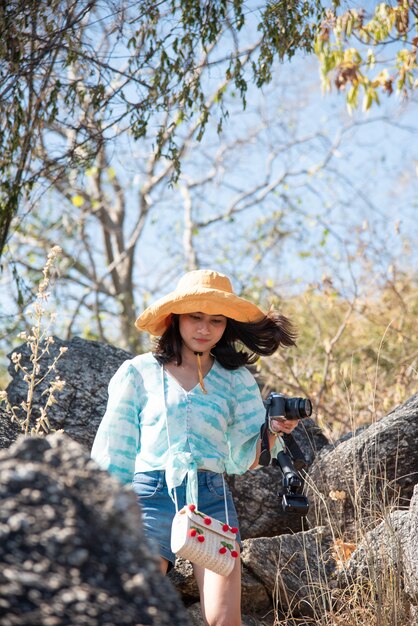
x: 290, y: 460
x: 290, y: 408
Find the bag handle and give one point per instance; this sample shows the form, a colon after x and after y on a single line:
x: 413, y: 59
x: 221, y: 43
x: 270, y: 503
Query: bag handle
x: 169, y: 449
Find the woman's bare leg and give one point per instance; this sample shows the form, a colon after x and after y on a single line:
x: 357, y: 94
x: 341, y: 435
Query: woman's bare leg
x: 220, y: 596
x: 163, y: 565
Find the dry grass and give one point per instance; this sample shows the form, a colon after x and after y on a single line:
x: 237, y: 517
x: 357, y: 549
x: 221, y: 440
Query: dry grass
x: 371, y: 594
x: 38, y: 340
x: 356, y: 361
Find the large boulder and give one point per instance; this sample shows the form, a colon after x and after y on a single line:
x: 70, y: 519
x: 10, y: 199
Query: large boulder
x: 357, y: 479
x: 9, y: 431
x: 72, y: 548
x: 391, y: 548
x: 297, y: 569
x: 86, y: 368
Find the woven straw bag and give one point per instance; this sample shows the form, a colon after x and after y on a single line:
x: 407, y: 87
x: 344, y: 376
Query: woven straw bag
x: 203, y: 540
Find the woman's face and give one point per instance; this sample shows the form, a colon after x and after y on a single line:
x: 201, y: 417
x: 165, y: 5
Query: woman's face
x: 201, y: 332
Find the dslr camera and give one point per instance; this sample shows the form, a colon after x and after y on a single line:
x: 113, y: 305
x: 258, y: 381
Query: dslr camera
x: 280, y: 406
x: 290, y: 460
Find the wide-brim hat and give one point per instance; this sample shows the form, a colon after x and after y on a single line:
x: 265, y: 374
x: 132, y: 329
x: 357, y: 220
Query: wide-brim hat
x: 204, y: 291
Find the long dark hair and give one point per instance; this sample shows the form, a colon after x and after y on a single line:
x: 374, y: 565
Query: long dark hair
x: 261, y: 338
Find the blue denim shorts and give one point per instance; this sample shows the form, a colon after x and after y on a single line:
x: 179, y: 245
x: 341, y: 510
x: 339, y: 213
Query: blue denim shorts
x: 158, y: 509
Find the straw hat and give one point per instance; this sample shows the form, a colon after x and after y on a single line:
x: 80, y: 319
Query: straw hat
x: 204, y: 291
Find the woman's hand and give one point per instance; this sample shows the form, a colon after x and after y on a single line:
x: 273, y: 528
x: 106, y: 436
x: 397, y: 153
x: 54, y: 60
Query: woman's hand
x: 283, y: 425
x: 278, y: 426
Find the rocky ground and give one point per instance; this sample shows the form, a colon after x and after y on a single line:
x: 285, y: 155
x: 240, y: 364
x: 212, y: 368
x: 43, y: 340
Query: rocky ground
x: 72, y: 550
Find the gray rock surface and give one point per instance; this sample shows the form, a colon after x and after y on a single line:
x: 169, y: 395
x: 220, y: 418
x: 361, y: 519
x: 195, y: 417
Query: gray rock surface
x: 376, y: 468
x: 86, y: 368
x: 392, y: 550
x: 72, y: 549
x: 9, y: 431
x: 296, y: 569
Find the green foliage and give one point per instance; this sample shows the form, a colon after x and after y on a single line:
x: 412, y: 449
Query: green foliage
x: 59, y: 58
x: 287, y: 26
x: 33, y: 38
x: 352, y: 66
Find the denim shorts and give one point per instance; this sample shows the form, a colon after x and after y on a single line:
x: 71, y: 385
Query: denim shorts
x: 158, y: 509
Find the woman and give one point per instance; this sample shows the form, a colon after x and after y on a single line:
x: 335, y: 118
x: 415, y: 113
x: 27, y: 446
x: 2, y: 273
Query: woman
x: 179, y: 418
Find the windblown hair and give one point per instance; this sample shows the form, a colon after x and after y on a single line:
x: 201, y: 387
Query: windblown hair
x: 260, y: 338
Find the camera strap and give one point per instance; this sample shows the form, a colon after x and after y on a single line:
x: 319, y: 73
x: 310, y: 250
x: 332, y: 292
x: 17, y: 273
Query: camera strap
x: 295, y: 452
x: 265, y: 454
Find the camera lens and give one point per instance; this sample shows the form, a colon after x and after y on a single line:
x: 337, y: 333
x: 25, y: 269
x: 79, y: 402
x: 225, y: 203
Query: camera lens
x: 297, y: 408
x: 305, y: 407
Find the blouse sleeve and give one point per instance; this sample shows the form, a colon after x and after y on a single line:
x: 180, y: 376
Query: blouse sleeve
x: 244, y: 430
x: 118, y: 437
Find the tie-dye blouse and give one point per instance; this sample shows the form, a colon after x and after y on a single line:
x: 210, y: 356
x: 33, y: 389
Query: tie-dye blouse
x: 217, y: 431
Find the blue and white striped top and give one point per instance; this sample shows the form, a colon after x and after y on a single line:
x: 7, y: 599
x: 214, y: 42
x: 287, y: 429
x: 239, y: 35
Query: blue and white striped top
x: 217, y: 431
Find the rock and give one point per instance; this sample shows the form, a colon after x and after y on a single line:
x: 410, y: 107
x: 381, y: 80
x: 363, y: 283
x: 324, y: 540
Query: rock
x: 255, y: 597
x: 195, y: 614
x: 72, y: 549
x: 9, y: 431
x: 355, y: 480
x: 182, y: 577
x: 86, y: 368
x: 252, y: 620
x: 258, y: 506
x: 409, y: 542
x: 296, y: 569
x: 392, y: 550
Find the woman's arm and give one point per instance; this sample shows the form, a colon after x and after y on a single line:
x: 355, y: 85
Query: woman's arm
x: 117, y: 439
